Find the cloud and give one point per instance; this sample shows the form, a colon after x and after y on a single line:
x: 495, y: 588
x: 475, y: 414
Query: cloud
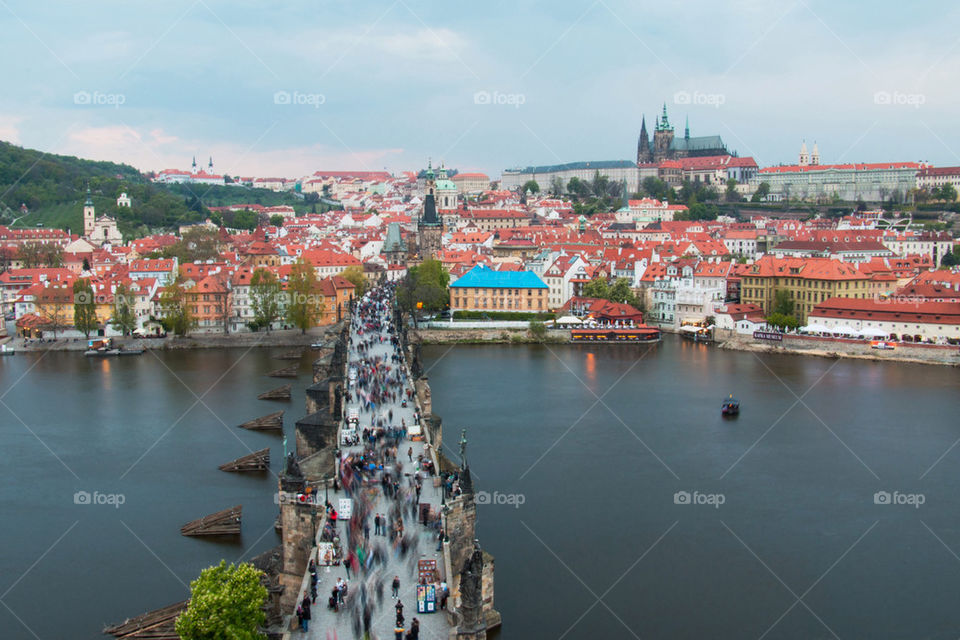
x: 10, y: 128
x: 157, y: 149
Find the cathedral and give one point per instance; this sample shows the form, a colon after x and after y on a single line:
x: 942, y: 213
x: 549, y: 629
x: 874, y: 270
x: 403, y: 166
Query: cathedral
x: 429, y: 226
x: 665, y: 146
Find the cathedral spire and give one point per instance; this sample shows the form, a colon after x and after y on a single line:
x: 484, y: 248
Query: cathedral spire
x: 686, y: 129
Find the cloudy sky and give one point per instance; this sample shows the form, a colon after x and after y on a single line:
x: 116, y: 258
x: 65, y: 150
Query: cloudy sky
x: 287, y: 88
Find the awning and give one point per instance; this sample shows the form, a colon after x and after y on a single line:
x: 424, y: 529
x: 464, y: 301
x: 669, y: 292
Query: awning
x: 870, y: 331
x: 690, y: 329
x: 569, y: 320
x: 843, y: 330
x: 815, y: 328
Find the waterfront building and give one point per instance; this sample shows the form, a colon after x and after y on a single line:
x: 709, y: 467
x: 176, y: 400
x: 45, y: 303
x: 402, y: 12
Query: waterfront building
x: 807, y: 281
x: 559, y: 278
x: 909, y: 320
x: 483, y: 289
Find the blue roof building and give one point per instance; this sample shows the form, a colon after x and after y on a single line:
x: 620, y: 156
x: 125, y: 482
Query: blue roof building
x: 483, y: 289
x: 482, y: 276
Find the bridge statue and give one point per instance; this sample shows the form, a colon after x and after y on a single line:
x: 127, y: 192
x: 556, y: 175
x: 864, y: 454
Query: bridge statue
x: 471, y: 592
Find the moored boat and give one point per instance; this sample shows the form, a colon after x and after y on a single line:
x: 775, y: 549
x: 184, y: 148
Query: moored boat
x: 636, y: 335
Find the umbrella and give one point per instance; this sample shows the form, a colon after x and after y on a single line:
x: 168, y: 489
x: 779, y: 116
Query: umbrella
x: 843, y: 330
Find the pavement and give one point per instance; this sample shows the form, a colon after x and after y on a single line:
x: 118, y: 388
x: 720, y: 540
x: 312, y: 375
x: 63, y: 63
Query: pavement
x: 326, y: 624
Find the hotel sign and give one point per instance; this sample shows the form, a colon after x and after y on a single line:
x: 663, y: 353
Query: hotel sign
x: 768, y: 335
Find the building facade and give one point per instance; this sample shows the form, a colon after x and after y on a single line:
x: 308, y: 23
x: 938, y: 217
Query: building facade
x: 483, y: 289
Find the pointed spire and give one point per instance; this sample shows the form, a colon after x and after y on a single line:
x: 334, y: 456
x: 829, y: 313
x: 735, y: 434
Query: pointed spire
x: 686, y: 129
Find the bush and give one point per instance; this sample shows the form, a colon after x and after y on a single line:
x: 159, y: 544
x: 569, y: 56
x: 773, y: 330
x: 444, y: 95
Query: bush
x: 501, y: 315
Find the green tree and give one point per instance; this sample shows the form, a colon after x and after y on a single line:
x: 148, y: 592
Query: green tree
x: 84, y: 308
x: 226, y: 603
x: 424, y: 288
x: 124, y: 318
x: 620, y: 291
x: 599, y: 185
x: 177, y: 316
x: 732, y: 195
x: 596, y: 288
x: 782, y: 321
x: 277, y: 220
x: 577, y: 187
x: 948, y: 193
x: 266, y: 298
x: 658, y: 189
x: 763, y: 190
x: 354, y: 273
x: 199, y: 243
x: 782, y: 302
x: 556, y: 186
x: 531, y: 186
x: 304, y: 302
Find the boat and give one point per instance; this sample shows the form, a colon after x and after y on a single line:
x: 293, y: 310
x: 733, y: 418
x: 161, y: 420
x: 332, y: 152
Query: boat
x: 696, y: 333
x: 638, y: 335
x: 730, y: 407
x: 6, y: 350
x: 103, y: 347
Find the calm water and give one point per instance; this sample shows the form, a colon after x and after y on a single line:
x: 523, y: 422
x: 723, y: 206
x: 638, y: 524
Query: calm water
x: 598, y: 544
x: 131, y: 426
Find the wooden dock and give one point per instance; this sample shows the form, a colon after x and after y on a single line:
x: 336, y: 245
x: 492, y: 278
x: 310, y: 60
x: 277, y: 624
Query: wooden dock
x: 153, y: 625
x: 290, y: 355
x: 256, y: 461
x: 221, y: 523
x: 280, y: 393
x: 286, y: 372
x: 270, y: 422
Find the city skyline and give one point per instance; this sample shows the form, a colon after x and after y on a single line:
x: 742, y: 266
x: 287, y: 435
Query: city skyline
x: 271, y: 91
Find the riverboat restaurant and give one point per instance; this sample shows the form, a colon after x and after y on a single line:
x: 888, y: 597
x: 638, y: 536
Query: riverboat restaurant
x: 603, y: 311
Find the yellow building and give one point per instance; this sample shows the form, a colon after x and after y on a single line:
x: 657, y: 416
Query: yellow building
x: 483, y: 289
x: 808, y: 281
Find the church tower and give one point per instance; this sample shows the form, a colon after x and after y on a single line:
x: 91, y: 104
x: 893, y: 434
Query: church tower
x: 89, y: 216
x: 662, y: 137
x: 193, y: 167
x: 429, y: 227
x: 643, y: 144
x: 815, y: 158
x: 804, y: 159
x: 210, y: 166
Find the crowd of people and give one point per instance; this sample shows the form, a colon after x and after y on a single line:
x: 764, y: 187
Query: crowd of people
x: 383, y: 477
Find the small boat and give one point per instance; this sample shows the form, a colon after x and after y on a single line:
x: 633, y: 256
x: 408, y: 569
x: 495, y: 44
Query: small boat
x: 730, y: 407
x: 6, y: 351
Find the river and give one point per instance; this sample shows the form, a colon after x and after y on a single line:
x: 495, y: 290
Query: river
x: 583, y: 452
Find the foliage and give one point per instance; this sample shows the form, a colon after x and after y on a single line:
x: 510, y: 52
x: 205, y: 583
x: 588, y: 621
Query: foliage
x: 266, y: 298
x: 38, y: 254
x: 658, y: 189
x: 225, y: 603
x: 556, y: 186
x: 176, y: 314
x: 424, y: 288
x: 124, y: 319
x: 782, y: 321
x: 354, y: 274
x: 304, y: 302
x: 531, y: 186
x: 731, y: 194
x: 763, y: 190
x: 538, y: 330
x: 782, y: 302
x: 197, y: 244
x: 619, y: 291
x: 277, y: 219
x: 84, y: 308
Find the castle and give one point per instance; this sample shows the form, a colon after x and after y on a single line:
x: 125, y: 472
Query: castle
x: 665, y: 146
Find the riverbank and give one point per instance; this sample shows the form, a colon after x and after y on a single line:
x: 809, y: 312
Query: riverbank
x: 842, y: 348
x: 280, y: 338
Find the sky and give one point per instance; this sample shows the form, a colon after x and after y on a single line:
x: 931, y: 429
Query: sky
x: 289, y: 88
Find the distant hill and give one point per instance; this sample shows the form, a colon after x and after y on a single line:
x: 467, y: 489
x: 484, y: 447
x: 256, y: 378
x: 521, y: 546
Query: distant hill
x: 54, y: 187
